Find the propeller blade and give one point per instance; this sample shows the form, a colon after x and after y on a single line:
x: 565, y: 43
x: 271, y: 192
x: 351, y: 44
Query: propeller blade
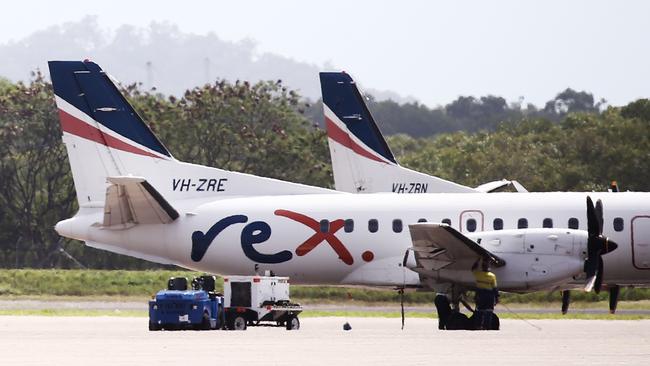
x: 613, y: 298
x: 597, y: 245
x: 566, y: 299
x: 599, y: 276
x: 599, y: 216
x: 590, y: 283
x: 592, y: 219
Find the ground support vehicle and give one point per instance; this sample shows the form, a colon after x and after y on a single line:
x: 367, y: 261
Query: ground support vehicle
x: 176, y: 308
x: 259, y: 300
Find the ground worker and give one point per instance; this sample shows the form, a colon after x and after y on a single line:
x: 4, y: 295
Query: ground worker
x: 487, y: 294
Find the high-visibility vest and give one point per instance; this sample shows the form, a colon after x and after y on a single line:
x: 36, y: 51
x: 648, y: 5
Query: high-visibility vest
x: 485, y: 280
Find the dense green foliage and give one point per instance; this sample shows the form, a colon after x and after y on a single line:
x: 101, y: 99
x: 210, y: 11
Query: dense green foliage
x: 468, y: 113
x: 570, y: 144
x: 583, y: 152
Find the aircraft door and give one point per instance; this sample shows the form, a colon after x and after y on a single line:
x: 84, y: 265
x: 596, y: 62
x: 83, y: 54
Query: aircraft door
x: 641, y: 242
x: 471, y: 221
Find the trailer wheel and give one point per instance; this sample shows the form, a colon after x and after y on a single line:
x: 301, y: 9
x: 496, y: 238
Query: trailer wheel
x: 238, y: 323
x: 205, y: 322
x: 293, y: 323
x: 153, y: 326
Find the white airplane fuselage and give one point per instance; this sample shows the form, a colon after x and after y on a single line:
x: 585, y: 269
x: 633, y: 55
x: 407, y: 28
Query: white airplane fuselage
x: 283, y: 234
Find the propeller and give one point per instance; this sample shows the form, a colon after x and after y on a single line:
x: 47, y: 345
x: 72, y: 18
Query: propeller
x: 614, y: 290
x: 597, y: 245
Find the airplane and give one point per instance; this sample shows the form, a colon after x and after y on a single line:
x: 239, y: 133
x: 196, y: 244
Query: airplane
x: 136, y: 199
x: 362, y: 161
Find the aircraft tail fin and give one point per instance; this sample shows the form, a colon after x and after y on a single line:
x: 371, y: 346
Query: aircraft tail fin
x: 105, y: 137
x: 361, y: 158
x: 98, y: 124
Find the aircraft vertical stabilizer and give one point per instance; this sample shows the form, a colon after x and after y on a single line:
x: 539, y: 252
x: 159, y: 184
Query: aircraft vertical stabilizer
x: 105, y: 137
x: 361, y: 160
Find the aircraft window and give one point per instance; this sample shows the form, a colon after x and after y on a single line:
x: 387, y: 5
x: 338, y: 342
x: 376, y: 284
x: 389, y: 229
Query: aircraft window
x: 324, y: 226
x: 522, y: 223
x: 618, y: 224
x: 446, y: 221
x: 573, y: 223
x: 497, y: 224
x: 547, y: 223
x: 348, y: 225
x: 397, y: 225
x: 373, y: 225
x: 422, y: 220
x: 471, y: 225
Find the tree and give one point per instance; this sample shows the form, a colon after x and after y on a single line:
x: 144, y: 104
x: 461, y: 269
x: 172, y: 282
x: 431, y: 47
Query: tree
x: 637, y: 109
x: 570, y: 101
x: 36, y: 185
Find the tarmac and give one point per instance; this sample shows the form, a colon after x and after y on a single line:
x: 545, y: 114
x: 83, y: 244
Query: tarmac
x: 41, y: 340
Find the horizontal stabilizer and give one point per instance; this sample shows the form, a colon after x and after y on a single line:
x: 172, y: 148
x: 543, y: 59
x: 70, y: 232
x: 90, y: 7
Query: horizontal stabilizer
x: 498, y: 184
x: 132, y: 200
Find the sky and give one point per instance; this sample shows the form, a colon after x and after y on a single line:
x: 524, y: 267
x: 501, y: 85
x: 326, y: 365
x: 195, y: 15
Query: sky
x: 431, y: 50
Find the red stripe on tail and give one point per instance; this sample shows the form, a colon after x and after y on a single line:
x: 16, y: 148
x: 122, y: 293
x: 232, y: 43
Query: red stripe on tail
x: 73, y: 125
x: 340, y: 136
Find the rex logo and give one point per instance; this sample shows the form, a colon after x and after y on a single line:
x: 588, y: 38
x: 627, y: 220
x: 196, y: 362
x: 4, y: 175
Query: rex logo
x: 258, y: 232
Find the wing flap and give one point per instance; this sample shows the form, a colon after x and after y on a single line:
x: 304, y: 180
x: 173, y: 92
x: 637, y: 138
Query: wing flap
x: 438, y: 246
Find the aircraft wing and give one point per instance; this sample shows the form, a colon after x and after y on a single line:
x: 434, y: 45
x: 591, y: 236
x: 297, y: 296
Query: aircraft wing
x: 132, y: 200
x: 438, y: 246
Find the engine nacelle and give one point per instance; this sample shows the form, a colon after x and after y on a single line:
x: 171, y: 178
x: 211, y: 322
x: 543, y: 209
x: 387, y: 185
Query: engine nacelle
x: 535, y: 258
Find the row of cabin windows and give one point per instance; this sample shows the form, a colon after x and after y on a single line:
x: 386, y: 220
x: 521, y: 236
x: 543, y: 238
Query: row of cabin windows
x: 470, y: 224
x: 522, y: 223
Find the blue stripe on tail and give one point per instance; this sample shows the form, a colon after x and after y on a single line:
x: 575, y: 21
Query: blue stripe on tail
x: 88, y: 88
x: 341, y: 95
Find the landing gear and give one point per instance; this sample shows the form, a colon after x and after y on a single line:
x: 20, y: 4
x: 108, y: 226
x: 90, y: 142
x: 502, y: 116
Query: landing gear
x: 451, y: 318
